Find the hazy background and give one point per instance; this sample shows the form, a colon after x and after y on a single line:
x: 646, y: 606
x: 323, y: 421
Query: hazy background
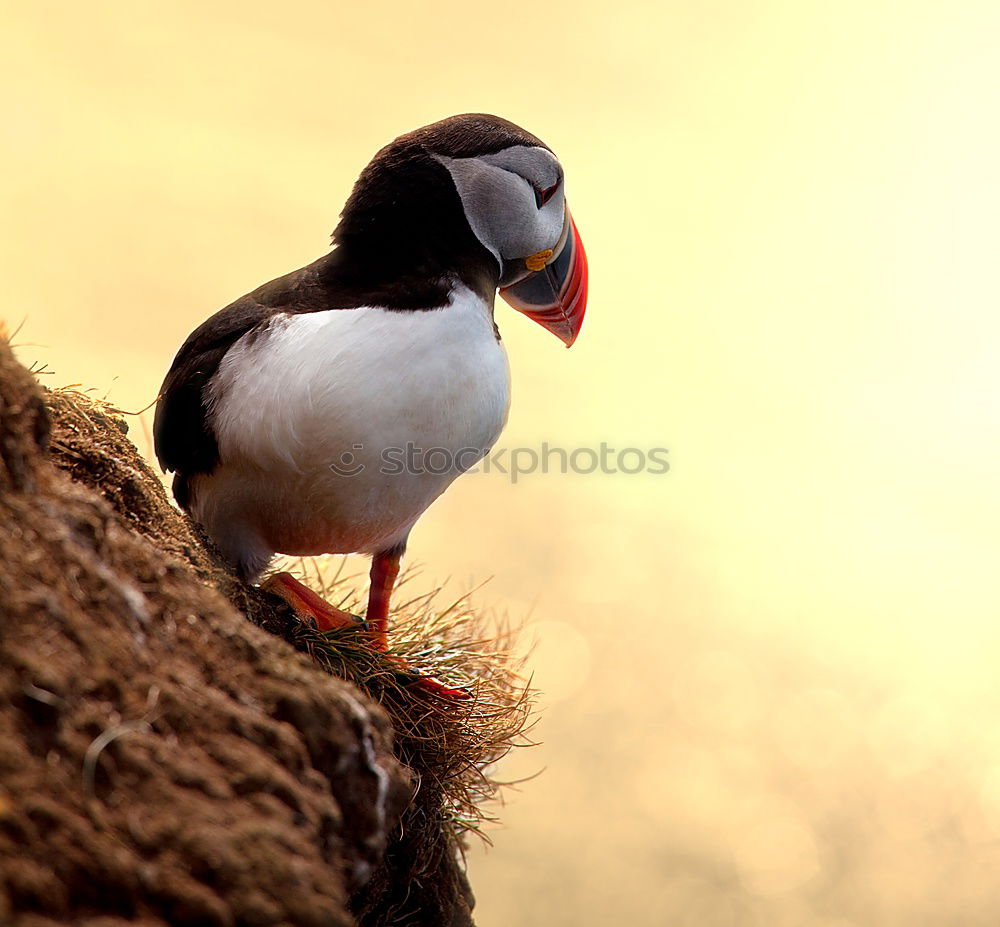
x: 771, y: 674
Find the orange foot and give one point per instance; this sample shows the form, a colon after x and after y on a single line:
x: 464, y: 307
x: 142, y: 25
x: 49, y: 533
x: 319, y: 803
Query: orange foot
x: 316, y: 612
x: 430, y: 684
x: 309, y: 608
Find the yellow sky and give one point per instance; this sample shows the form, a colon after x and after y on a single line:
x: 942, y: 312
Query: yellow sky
x: 771, y: 671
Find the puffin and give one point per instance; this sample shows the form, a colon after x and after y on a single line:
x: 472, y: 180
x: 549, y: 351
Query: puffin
x: 325, y: 411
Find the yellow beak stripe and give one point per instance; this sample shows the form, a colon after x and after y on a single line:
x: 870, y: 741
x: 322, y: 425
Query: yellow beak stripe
x: 539, y: 260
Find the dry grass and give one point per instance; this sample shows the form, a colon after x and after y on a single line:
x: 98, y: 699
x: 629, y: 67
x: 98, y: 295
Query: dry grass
x: 452, y: 745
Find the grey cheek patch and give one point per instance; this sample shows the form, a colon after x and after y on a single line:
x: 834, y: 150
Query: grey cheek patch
x: 537, y: 165
x: 499, y: 201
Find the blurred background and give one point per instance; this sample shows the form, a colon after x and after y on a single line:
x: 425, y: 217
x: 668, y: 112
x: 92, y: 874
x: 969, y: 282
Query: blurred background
x: 770, y: 675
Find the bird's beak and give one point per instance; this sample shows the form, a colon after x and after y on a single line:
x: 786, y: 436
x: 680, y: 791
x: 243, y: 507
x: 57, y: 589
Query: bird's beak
x: 553, y: 292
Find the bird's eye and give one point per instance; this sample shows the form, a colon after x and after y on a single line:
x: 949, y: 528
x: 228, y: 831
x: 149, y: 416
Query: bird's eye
x: 543, y: 196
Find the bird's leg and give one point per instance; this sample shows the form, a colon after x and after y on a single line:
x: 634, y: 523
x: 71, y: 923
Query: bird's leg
x: 385, y: 569
x: 308, y: 607
x: 311, y: 609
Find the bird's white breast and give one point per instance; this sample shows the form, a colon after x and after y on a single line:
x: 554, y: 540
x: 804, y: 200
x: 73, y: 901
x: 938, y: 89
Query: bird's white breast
x: 317, y: 395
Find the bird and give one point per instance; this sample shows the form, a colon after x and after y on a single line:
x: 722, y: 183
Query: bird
x: 293, y: 417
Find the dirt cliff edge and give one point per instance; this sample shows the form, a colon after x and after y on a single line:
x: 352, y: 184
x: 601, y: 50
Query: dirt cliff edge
x: 163, y: 760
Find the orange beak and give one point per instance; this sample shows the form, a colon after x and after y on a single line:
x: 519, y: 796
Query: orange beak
x: 555, y: 295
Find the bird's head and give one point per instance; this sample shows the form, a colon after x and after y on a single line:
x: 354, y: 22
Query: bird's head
x: 476, y: 194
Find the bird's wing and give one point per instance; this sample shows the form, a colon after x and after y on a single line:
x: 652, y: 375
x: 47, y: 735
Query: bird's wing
x: 182, y: 435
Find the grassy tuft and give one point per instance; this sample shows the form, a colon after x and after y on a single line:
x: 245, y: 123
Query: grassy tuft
x: 453, y: 746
